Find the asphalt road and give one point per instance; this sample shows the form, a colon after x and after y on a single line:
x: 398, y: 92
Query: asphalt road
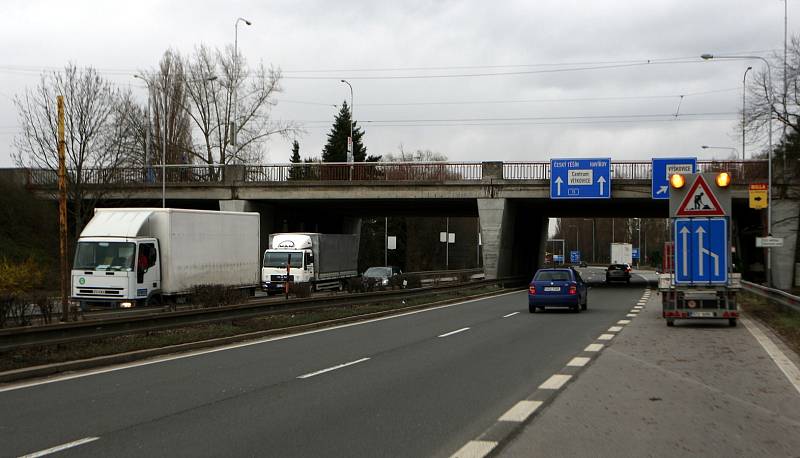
x: 422, y: 384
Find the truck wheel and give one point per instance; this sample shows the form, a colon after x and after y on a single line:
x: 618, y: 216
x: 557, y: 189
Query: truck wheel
x: 154, y: 300
x: 732, y: 322
x: 670, y: 322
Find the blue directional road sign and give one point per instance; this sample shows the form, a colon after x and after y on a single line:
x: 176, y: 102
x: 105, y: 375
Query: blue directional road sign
x: 574, y: 257
x: 558, y: 258
x: 580, y: 178
x: 635, y: 253
x: 665, y: 167
x: 701, y: 250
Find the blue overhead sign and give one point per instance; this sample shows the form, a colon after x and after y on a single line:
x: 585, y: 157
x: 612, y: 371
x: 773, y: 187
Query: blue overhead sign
x: 574, y: 257
x: 701, y: 250
x: 635, y: 253
x: 558, y: 258
x: 665, y: 167
x: 580, y: 178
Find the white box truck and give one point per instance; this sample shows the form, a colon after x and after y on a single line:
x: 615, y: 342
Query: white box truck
x: 138, y: 256
x: 621, y: 253
x: 326, y: 261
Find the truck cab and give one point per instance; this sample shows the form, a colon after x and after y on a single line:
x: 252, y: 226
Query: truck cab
x: 290, y: 258
x: 115, y: 271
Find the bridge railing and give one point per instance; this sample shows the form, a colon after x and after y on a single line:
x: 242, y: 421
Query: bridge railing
x: 179, y: 175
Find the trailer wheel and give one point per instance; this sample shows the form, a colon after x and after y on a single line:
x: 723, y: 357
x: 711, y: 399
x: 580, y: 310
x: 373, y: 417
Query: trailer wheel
x: 732, y: 322
x: 670, y: 322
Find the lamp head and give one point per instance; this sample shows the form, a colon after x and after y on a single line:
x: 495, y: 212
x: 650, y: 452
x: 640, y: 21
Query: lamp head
x: 707, y: 56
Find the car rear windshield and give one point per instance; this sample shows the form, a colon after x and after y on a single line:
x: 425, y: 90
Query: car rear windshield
x: 552, y: 275
x: 616, y: 267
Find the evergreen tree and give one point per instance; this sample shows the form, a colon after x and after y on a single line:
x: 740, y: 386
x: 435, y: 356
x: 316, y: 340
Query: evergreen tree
x: 336, y: 148
x: 295, y: 172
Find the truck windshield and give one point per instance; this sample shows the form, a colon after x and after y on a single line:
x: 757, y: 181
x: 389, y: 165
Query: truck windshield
x: 104, y: 256
x: 279, y: 258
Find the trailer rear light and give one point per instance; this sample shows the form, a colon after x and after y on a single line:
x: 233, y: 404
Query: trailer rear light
x: 531, y: 289
x: 730, y: 314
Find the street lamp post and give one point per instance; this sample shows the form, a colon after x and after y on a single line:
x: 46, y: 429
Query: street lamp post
x: 769, y: 160
x: 744, y: 91
x: 719, y: 147
x: 235, y: 127
x: 593, y: 248
x: 352, y: 143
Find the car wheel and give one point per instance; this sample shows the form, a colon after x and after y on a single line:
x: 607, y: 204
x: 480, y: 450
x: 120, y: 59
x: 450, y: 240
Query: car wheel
x: 732, y: 322
x: 585, y: 304
x: 670, y: 322
x: 531, y: 308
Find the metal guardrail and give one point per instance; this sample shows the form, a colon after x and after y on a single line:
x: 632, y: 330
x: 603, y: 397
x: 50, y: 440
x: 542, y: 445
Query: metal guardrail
x: 772, y: 294
x: 11, y: 338
x: 433, y: 172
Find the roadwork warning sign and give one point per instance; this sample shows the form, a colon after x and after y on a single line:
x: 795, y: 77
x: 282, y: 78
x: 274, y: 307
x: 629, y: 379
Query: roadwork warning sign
x: 700, y: 201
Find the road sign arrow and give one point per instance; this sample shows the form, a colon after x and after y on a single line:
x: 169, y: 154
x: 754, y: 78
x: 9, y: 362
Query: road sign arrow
x: 601, y: 181
x: 700, y: 251
x: 685, y: 233
x: 558, y: 185
x: 662, y: 190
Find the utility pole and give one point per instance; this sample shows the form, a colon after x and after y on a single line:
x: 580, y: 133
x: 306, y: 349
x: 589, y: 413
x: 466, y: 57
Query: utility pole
x: 62, y: 209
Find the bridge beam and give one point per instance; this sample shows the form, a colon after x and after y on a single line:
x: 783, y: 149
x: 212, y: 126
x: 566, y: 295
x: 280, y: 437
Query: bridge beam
x: 497, y: 219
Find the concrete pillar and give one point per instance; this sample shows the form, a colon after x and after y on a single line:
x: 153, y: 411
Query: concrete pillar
x: 784, y: 224
x: 544, y: 235
x: 497, y: 235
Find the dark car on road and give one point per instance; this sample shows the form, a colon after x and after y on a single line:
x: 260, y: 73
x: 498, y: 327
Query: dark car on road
x: 618, y: 272
x: 381, y: 277
x: 562, y: 288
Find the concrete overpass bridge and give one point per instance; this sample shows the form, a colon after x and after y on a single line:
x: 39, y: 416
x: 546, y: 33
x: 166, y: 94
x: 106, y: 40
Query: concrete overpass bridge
x: 511, y: 199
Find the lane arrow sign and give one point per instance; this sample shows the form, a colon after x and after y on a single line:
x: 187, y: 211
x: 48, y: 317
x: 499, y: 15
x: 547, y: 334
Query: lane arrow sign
x: 662, y: 190
x: 700, y: 251
x: 558, y: 185
x: 685, y: 234
x: 602, y: 181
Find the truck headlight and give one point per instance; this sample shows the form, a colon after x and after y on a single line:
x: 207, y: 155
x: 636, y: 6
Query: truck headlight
x: 126, y: 305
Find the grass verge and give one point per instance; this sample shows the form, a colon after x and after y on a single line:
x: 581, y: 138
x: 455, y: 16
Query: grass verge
x: 49, y: 354
x: 781, y: 319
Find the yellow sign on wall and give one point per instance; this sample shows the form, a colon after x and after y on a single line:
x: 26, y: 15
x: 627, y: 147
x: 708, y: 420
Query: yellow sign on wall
x: 758, y: 195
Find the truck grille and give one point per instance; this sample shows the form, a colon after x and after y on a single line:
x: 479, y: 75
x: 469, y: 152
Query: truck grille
x: 100, y: 292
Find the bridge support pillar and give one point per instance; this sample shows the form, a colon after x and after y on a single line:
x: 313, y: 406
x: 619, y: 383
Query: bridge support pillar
x: 497, y: 219
x: 785, y: 215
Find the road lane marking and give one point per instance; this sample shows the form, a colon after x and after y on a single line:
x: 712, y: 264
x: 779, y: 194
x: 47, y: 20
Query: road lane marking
x: 631, y: 315
x: 615, y: 329
x: 510, y: 314
x: 578, y: 361
x: 453, y: 332
x: 594, y: 347
x: 555, y: 382
x: 624, y: 322
x: 784, y: 364
x: 521, y: 411
x: 61, y: 447
x: 605, y: 337
x: 639, y: 307
x: 333, y: 368
x: 475, y: 449
x: 191, y: 354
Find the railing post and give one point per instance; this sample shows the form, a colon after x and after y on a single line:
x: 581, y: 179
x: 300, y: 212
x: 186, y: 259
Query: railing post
x: 492, y: 170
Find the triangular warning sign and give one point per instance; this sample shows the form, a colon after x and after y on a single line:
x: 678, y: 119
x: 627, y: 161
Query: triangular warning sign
x: 700, y: 201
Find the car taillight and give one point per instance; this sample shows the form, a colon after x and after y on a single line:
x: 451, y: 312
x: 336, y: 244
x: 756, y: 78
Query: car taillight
x: 573, y: 289
x: 531, y: 289
x: 628, y: 269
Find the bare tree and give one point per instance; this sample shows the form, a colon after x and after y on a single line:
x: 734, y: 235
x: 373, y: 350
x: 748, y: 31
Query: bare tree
x: 419, y: 155
x: 99, y: 137
x: 213, y: 110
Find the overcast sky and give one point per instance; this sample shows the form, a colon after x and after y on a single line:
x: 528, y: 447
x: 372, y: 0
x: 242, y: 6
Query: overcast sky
x: 426, y: 73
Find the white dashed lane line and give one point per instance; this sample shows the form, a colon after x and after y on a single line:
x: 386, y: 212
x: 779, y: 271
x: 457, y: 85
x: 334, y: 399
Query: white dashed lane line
x: 521, y: 411
x: 624, y: 322
x: 312, y: 374
x: 555, y: 382
x: 475, y: 449
x: 61, y: 447
x: 578, y: 361
x: 510, y: 314
x: 595, y: 347
x: 615, y: 329
x: 453, y: 332
x: 605, y: 337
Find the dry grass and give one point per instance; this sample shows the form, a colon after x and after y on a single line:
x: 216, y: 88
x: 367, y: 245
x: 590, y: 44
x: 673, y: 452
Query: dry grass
x: 782, y: 320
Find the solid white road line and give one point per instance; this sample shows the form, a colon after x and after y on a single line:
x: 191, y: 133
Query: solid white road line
x: 615, y: 329
x: 624, y: 322
x: 605, y: 337
x: 510, y: 314
x: 555, y: 382
x: 785, y: 364
x: 475, y: 449
x: 334, y: 368
x: 453, y: 332
x: 61, y: 447
x: 164, y: 359
x: 521, y: 411
x: 578, y: 361
x: 594, y: 347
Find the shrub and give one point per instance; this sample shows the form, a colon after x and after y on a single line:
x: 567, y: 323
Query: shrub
x: 215, y: 295
x: 17, y: 278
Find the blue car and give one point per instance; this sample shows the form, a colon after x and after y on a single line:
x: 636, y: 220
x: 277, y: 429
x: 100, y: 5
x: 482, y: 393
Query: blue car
x: 557, y: 288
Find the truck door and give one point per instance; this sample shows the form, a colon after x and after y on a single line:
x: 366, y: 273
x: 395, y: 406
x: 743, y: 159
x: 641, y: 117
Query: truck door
x: 148, y: 272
